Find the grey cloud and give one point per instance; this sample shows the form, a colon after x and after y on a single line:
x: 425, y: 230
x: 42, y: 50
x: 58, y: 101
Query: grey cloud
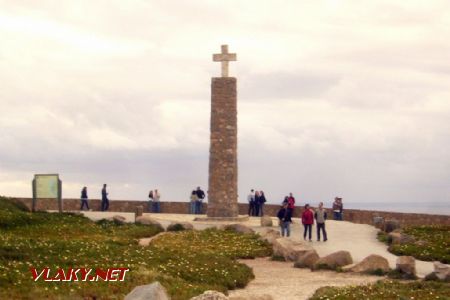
x: 278, y: 85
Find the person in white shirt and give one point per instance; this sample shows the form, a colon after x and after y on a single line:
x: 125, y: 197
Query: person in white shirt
x: 251, y: 202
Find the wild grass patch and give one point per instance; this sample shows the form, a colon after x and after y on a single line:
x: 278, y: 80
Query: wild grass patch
x: 186, y: 262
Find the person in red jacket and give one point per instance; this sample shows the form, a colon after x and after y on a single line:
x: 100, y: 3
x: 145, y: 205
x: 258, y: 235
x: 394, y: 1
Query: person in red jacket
x: 307, y: 221
x: 291, y: 203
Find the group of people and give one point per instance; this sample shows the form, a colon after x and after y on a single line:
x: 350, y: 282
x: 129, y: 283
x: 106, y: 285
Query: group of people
x: 84, y: 199
x: 196, y: 198
x: 256, y: 200
x: 308, y: 216
x: 154, y: 204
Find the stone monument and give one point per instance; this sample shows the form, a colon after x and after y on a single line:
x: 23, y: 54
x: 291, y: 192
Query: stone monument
x: 223, y: 169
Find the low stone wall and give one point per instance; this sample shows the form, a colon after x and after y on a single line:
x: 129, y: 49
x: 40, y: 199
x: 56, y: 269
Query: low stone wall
x: 352, y: 215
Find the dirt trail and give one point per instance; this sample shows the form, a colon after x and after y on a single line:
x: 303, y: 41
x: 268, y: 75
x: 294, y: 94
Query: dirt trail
x: 283, y: 282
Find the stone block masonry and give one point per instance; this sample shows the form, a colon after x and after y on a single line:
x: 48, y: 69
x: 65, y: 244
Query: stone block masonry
x: 351, y: 215
x: 223, y: 168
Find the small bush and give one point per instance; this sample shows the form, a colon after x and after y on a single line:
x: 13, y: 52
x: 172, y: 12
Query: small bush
x: 277, y: 258
x: 384, y: 237
x: 396, y: 274
x: 377, y: 272
x: 175, y: 227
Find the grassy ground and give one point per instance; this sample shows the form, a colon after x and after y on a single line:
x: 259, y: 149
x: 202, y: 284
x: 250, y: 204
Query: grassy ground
x: 386, y: 290
x: 434, y: 243
x: 186, y: 263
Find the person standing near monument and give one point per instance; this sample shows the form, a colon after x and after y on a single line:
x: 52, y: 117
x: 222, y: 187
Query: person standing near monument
x: 200, y: 196
x: 84, y: 199
x: 105, y: 200
x: 156, y: 203
x: 307, y: 221
x: 291, y: 203
x: 263, y: 201
x: 193, y: 200
x: 257, y: 203
x: 251, y: 202
x: 150, y: 201
x: 285, y: 219
x: 321, y: 215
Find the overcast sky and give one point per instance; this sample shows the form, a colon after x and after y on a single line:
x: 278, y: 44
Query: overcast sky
x: 348, y: 98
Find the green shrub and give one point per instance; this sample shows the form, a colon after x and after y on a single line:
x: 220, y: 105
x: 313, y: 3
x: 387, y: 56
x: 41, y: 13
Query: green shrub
x: 277, y: 258
x: 386, y: 290
x: 175, y: 227
x: 433, y: 243
x: 397, y: 274
x: 384, y: 237
x: 377, y: 272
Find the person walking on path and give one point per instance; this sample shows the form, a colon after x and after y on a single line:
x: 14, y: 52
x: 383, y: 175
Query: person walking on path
x: 200, y: 196
x: 156, y: 204
x: 263, y: 201
x: 337, y: 209
x: 105, y: 200
x: 84, y: 199
x: 194, y: 199
x: 284, y: 215
x: 251, y: 202
x: 150, y: 201
x: 321, y: 215
x: 307, y: 221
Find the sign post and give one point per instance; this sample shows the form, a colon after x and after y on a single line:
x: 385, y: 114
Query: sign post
x: 47, y: 186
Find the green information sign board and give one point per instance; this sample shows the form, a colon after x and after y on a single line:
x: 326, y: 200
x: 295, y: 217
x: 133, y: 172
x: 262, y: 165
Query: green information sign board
x: 47, y: 186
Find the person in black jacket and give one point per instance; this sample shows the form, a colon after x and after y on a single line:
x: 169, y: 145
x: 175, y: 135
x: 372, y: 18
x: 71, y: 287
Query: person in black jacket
x: 257, y: 204
x: 263, y: 200
x: 84, y: 199
x: 285, y: 215
x: 200, y: 197
x: 105, y: 200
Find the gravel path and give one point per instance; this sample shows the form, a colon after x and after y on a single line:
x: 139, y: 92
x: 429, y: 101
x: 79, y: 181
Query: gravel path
x: 283, y: 282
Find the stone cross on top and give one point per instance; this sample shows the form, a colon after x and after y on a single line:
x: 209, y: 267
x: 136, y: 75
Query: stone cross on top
x: 224, y: 58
